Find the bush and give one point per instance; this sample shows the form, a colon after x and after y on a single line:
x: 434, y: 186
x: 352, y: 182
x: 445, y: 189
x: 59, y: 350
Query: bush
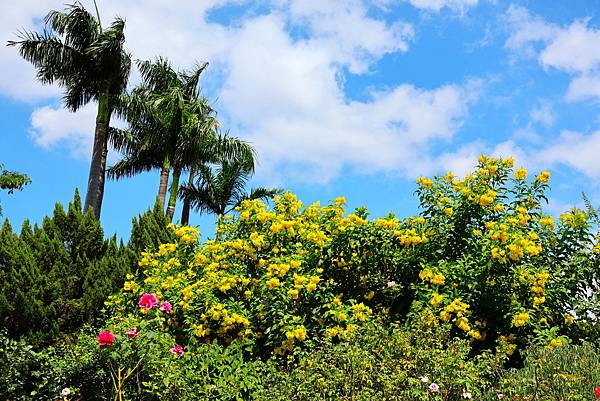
x: 567, y: 373
x: 482, y: 256
x: 387, y: 363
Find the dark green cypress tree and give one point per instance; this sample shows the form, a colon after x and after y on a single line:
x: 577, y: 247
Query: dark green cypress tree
x: 149, y: 230
x: 56, y: 276
x: 20, y: 306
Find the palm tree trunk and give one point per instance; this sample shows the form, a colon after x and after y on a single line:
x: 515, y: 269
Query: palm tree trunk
x: 185, y: 213
x: 97, y: 175
x: 164, y: 180
x: 173, y: 193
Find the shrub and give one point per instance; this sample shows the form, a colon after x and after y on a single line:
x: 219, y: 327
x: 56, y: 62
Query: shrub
x: 482, y: 256
x: 567, y: 373
x: 387, y: 363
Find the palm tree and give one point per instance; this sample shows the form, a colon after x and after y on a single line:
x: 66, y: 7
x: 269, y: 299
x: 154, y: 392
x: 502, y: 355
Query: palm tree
x: 221, y: 187
x: 172, y: 127
x: 89, y: 63
x: 165, y: 115
x: 217, y: 149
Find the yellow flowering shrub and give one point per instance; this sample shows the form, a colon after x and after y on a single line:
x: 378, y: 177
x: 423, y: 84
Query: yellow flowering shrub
x: 482, y: 258
x: 498, y: 268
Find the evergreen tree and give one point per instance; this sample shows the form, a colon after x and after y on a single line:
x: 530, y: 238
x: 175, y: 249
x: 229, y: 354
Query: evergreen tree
x: 55, y: 277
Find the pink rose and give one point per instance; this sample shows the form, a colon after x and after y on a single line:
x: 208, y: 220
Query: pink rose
x: 106, y: 338
x: 177, y: 350
x: 148, y: 301
x: 166, y: 307
x: 133, y: 333
x: 434, y: 387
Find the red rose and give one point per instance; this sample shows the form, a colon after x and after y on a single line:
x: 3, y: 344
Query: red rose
x: 597, y: 392
x: 133, y: 333
x: 106, y: 338
x: 166, y: 307
x: 177, y: 350
x: 148, y: 301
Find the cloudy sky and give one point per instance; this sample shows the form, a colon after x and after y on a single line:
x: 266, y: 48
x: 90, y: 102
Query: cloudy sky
x: 344, y: 97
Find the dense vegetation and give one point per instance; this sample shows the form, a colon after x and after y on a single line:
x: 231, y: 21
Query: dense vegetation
x: 56, y: 276
x: 473, y: 298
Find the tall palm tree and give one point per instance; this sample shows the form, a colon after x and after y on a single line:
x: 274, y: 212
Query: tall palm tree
x: 164, y: 114
x: 215, y: 149
x: 221, y: 187
x: 89, y: 63
x: 172, y: 128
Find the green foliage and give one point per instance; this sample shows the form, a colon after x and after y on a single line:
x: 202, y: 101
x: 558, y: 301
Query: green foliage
x: 11, y: 180
x: 149, y: 230
x: 386, y: 363
x: 567, y: 373
x: 55, y: 277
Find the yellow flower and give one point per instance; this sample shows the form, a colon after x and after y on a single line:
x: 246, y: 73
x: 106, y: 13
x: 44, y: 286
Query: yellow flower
x: 520, y: 319
x: 569, y: 319
x: 369, y: 296
x: 438, y: 279
x: 509, y: 162
x: 445, y: 316
x: 436, y: 300
x: 520, y: 173
x: 273, y: 282
x: 293, y: 293
x: 463, y: 324
x: 547, y: 222
x: 543, y: 177
x: 475, y: 334
x: 300, y: 333
x: 425, y: 182
x: 339, y: 201
x: 554, y: 343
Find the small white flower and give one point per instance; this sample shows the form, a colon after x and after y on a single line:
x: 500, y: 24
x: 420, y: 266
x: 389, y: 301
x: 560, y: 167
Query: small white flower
x: 466, y: 395
x: 66, y: 391
x: 424, y: 379
x: 390, y: 284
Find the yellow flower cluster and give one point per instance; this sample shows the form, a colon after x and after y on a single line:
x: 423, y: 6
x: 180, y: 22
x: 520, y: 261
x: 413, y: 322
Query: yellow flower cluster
x: 555, y: 343
x: 361, y: 312
x: 520, y: 173
x: 520, y: 319
x: 574, y: 218
x: 427, y: 275
x: 507, y: 344
x: 543, y: 177
x: 425, y: 183
x: 410, y: 237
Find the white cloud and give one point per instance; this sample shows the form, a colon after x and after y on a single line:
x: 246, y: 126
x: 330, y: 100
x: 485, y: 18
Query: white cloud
x: 437, y: 5
x: 18, y: 76
x: 55, y: 126
x: 543, y: 114
x: 285, y: 92
x: 574, y: 49
x: 583, y: 87
x: 293, y: 109
x: 526, y: 30
x: 574, y: 150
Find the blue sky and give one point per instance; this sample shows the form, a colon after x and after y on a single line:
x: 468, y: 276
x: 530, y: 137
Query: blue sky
x: 354, y: 98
